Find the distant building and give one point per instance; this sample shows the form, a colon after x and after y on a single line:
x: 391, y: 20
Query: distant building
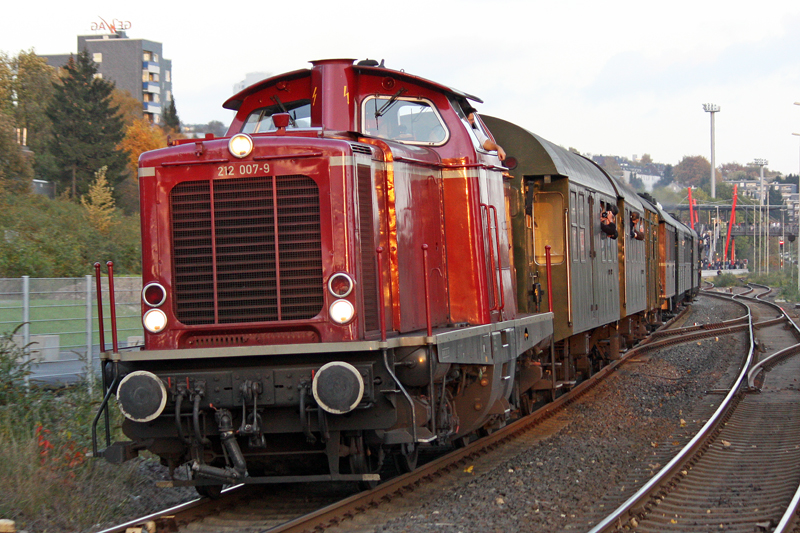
x: 250, y: 79
x: 134, y: 65
x: 648, y: 180
x: 44, y: 187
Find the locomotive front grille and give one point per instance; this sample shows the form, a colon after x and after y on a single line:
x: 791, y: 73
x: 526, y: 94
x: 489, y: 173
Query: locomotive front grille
x: 246, y: 250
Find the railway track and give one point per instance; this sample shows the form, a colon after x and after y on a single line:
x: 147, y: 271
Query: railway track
x: 741, y: 472
x: 254, y: 508
x: 251, y: 509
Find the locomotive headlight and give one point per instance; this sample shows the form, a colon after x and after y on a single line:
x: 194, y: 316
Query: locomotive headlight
x: 154, y: 294
x: 154, y: 320
x: 342, y: 311
x: 240, y: 145
x: 340, y: 285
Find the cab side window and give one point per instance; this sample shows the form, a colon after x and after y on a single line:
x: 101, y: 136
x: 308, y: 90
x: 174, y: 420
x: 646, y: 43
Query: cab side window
x: 408, y: 120
x: 260, y: 120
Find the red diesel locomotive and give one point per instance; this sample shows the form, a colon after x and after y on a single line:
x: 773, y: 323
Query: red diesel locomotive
x: 335, y: 281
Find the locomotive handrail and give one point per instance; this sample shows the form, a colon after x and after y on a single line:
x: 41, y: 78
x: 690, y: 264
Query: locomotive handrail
x: 195, y: 162
x: 497, y: 272
x: 499, y: 264
x: 382, y: 315
x: 428, y: 326
x: 112, y: 302
x: 385, y: 352
x: 101, y: 328
x: 548, y: 263
x: 107, y: 387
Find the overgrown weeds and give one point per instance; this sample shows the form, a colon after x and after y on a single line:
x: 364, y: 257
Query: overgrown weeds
x: 49, y: 484
x: 784, y: 282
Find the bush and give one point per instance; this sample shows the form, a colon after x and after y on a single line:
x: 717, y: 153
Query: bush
x: 784, y: 283
x: 725, y: 280
x: 44, y: 435
x: 46, y: 238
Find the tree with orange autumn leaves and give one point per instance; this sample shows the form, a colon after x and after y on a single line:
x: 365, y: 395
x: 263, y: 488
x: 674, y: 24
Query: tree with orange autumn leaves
x: 141, y: 136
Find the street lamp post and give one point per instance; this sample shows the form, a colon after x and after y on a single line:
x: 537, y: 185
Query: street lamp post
x: 712, y: 108
x: 765, y: 263
x: 798, y: 220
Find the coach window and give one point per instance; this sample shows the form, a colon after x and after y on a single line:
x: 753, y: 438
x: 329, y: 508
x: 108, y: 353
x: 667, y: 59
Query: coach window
x: 548, y: 227
x: 573, y: 222
x: 260, y: 120
x: 408, y: 120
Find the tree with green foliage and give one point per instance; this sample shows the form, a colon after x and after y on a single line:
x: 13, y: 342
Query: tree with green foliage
x: 46, y: 238
x: 611, y: 166
x: 99, y: 204
x: 25, y: 88
x: 16, y: 171
x: 33, y: 90
x: 172, y: 124
x: 130, y: 108
x: 86, y: 127
x: 637, y: 183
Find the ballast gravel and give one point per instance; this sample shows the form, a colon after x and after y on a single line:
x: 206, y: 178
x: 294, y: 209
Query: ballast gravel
x: 604, y: 448
x: 562, y: 482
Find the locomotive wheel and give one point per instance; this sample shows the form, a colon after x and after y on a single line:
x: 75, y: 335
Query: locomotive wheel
x: 525, y: 404
x: 364, y: 460
x: 406, y: 460
x: 209, y: 491
x: 462, y: 442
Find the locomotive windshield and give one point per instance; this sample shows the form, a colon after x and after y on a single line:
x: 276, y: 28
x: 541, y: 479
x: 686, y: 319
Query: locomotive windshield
x: 260, y: 120
x: 406, y: 120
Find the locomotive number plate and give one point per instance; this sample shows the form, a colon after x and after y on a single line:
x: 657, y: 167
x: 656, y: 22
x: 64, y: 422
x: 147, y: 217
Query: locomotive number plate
x: 242, y: 169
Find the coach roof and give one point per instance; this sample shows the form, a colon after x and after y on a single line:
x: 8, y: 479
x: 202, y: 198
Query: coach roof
x: 538, y: 157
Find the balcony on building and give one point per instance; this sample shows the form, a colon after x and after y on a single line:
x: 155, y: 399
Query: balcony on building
x: 152, y: 107
x: 151, y: 66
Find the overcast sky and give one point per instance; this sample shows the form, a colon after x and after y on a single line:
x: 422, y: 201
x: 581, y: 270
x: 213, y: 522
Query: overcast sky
x: 617, y: 77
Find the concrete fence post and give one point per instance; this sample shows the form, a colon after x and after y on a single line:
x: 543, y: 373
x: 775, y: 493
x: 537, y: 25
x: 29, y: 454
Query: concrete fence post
x: 89, y: 332
x: 26, y: 323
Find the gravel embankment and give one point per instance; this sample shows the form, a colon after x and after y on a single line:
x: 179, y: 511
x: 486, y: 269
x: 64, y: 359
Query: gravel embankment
x: 607, y: 446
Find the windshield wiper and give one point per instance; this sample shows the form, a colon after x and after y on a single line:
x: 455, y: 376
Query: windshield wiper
x: 283, y: 108
x: 385, y: 107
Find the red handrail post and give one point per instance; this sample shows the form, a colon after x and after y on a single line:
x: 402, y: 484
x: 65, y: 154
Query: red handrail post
x: 99, y: 291
x: 548, y: 262
x: 113, y: 303
x: 427, y: 290
x: 382, y: 314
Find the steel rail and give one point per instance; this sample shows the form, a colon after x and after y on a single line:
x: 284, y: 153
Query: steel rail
x: 672, y: 470
x: 789, y: 520
x: 336, y: 513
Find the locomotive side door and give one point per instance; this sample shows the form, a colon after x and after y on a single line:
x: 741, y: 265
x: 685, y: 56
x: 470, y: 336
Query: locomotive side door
x: 495, y: 242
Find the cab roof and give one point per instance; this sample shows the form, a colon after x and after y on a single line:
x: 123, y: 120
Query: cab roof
x: 235, y: 101
x: 539, y: 157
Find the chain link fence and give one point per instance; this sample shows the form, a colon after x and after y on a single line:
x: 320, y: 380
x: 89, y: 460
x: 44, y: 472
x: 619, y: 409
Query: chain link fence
x: 54, y: 321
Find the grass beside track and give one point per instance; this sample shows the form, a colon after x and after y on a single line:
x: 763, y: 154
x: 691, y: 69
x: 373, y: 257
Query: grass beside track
x: 68, y: 320
x: 49, y: 484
